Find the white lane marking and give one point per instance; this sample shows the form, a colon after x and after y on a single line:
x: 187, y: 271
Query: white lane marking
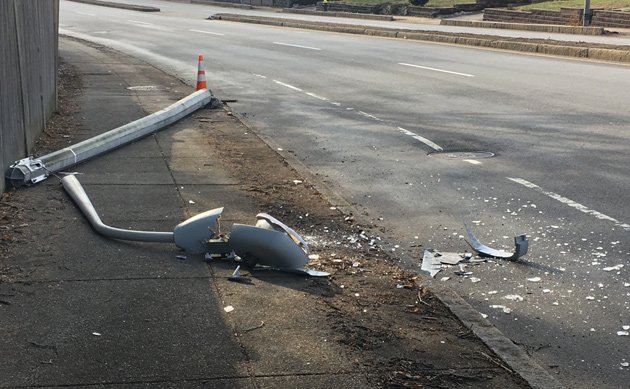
x: 207, y: 32
x: 259, y: 75
x: 139, y: 22
x: 435, y: 70
x: 85, y: 13
x: 472, y: 161
x: 424, y: 140
x: 300, y: 46
x: 316, y: 96
x: 367, y: 115
x: 570, y: 203
x: 295, y: 88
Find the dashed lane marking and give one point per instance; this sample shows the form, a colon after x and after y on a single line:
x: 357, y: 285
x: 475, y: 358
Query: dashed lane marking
x: 571, y: 203
x: 299, y: 46
x: 207, y: 32
x: 139, y: 22
x: 422, y: 139
x: 435, y: 70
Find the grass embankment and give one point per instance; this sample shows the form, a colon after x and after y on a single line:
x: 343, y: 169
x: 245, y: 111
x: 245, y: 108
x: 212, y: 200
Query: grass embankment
x: 547, y: 5
x: 595, y: 4
x: 431, y: 3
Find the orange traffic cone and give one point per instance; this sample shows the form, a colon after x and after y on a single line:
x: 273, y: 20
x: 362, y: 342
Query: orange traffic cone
x: 201, y: 75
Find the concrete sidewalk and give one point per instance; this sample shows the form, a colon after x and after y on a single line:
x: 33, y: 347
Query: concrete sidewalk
x: 77, y: 309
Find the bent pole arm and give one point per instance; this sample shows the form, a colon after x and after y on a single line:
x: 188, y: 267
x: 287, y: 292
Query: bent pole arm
x: 75, y: 191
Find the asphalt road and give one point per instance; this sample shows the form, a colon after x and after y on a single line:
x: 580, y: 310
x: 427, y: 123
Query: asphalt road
x: 365, y: 113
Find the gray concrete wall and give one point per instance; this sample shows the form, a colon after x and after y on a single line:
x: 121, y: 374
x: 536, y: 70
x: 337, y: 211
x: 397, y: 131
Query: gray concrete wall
x: 28, y: 74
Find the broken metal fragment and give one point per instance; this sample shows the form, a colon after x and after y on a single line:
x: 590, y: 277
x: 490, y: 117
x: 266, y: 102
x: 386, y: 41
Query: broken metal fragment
x: 271, y: 223
x: 307, y: 272
x: 450, y: 258
x: 520, y: 241
x: 237, y: 277
x: 430, y: 263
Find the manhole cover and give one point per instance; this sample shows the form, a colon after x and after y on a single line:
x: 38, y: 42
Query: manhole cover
x: 462, y: 154
x: 148, y: 88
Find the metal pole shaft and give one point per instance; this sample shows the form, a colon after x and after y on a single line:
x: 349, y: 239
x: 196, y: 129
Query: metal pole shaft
x: 586, y: 18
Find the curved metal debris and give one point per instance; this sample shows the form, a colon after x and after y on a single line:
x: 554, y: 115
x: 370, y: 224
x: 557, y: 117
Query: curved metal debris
x: 191, y: 235
x: 521, y: 246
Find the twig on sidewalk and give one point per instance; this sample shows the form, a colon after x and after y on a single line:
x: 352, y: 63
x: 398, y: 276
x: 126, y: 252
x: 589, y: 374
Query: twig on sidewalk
x: 493, y: 360
x: 262, y: 323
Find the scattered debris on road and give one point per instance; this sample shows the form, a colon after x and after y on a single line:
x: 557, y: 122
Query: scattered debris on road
x: 520, y: 241
x: 430, y: 263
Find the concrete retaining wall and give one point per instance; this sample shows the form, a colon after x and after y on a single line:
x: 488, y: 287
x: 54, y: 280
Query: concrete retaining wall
x: 525, y: 27
x: 566, y: 16
x: 28, y: 74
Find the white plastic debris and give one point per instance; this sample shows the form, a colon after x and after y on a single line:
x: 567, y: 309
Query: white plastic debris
x: 297, y: 182
x: 430, y: 264
x: 626, y: 328
x: 590, y: 298
x: 625, y: 364
x: 501, y: 307
x: 190, y: 202
x: 623, y: 333
x: 228, y: 309
x: 483, y: 315
x: 450, y: 258
x: 313, y: 257
x: 445, y: 279
x: 534, y: 279
x: 474, y: 279
x: 96, y: 333
x: 613, y: 268
x: 513, y: 297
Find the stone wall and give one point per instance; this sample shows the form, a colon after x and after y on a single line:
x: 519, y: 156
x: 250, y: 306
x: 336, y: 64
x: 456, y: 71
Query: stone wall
x: 611, y: 19
x: 28, y: 74
x: 566, y: 16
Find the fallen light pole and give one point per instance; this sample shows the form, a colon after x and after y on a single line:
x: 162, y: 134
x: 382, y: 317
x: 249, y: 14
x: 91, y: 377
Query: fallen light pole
x: 30, y: 170
x: 270, y: 243
x: 192, y: 235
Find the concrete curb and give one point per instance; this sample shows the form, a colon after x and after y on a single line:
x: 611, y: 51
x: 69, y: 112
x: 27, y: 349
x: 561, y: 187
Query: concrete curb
x: 525, y: 27
x: 352, y: 15
x: 550, y: 47
x: 513, y: 355
x: 221, y: 4
x: 119, y: 5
